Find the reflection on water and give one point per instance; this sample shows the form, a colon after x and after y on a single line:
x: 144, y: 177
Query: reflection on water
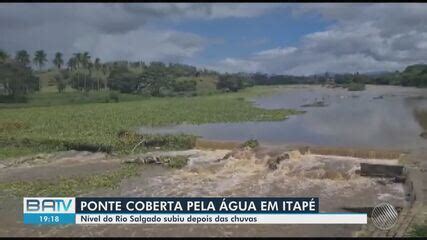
x: 381, y: 116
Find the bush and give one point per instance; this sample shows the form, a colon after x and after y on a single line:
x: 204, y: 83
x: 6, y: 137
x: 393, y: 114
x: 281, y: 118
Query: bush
x: 17, y: 80
x: 113, y: 96
x: 187, y: 85
x: 123, y: 80
x: 252, y: 143
x: 175, y: 161
x: 13, y: 99
x: 356, y: 87
x: 178, y: 141
x: 61, y: 83
x: 230, y: 82
x: 419, y: 231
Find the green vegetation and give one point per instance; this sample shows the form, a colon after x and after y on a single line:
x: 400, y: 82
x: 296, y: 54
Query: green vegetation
x: 233, y: 82
x: 16, y: 80
x: 418, y: 231
x: 72, y: 98
x: 415, y: 75
x: 175, y: 161
x: 40, y: 59
x: 69, y: 186
x: 97, y: 125
x: 355, y: 86
x: 88, y: 104
x: 22, y: 57
x: 150, y: 141
x: 158, y: 79
x: 83, y: 74
x: 251, y: 143
x: 11, y: 149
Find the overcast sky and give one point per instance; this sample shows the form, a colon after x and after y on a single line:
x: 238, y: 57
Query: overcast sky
x: 273, y: 38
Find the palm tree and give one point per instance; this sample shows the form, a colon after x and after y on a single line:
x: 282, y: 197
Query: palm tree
x: 72, y: 63
x: 77, y: 62
x: 72, y: 66
x: 78, y: 59
x: 3, y: 56
x: 22, y: 57
x: 40, y: 58
x: 58, y: 60
x: 85, y: 59
x: 97, y: 66
x: 86, y: 63
x: 105, y: 69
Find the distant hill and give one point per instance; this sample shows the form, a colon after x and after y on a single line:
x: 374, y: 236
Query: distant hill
x: 414, y: 75
x: 416, y: 69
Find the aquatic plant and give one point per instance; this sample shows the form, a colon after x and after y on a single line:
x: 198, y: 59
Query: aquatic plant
x: 251, y: 143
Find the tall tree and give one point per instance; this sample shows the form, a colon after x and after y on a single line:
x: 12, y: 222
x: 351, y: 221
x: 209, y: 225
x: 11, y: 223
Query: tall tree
x: 17, y: 79
x: 23, y: 57
x: 40, y: 58
x: 85, y: 59
x: 72, y: 64
x: 78, y: 60
x: 3, y: 55
x: 86, y: 63
x: 58, y: 60
x: 97, y: 66
x: 105, y: 69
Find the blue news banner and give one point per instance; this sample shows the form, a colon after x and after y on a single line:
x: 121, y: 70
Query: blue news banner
x: 169, y: 210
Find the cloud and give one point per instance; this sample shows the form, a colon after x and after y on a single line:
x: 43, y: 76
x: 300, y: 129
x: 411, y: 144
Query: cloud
x: 143, y: 44
x: 112, y: 31
x: 119, y: 17
x: 363, y: 37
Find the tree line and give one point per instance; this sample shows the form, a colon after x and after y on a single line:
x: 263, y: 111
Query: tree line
x: 83, y: 73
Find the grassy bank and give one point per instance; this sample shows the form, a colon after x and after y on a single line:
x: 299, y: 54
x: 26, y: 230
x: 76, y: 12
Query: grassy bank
x: 69, y: 186
x: 44, y: 99
x: 99, y: 124
x: 418, y: 231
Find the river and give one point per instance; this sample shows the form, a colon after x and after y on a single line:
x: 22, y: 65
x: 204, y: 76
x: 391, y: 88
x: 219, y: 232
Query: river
x: 379, y: 117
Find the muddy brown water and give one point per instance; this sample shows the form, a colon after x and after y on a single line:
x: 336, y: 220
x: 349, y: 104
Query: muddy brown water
x: 333, y: 179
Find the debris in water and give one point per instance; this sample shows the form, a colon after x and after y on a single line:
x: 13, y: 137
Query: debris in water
x: 378, y: 97
x: 143, y: 160
x: 315, y: 104
x: 273, y: 162
x: 290, y: 155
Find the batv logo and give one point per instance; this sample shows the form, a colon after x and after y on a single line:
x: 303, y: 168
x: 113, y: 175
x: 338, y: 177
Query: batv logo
x: 49, y: 205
